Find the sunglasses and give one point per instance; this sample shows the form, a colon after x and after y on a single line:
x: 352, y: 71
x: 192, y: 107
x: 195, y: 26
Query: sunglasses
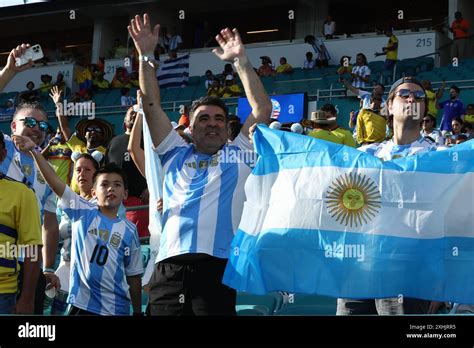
x: 428, y: 120
x: 94, y: 129
x: 31, y: 122
x: 405, y: 93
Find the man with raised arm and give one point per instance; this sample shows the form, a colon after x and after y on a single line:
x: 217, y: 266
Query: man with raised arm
x: 203, y: 191
x: 30, y: 119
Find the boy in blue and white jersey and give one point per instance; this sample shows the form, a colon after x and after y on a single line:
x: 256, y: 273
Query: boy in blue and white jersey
x: 105, y: 254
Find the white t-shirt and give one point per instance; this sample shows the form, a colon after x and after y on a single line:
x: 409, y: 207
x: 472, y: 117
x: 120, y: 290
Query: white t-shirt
x: 329, y: 28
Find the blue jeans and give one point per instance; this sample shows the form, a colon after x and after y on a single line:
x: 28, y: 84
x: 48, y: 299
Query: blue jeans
x: 7, y: 303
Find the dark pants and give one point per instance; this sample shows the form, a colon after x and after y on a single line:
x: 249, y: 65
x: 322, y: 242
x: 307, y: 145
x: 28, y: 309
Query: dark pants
x: 388, y: 306
x: 77, y: 311
x: 190, y: 287
x: 40, y: 290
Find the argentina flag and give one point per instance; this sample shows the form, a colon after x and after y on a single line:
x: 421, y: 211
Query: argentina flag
x: 327, y: 219
x: 174, y: 72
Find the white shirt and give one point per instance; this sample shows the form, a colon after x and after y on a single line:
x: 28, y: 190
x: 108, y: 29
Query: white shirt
x: 329, y: 28
x: 364, y: 71
x: 203, y: 196
x: 308, y: 64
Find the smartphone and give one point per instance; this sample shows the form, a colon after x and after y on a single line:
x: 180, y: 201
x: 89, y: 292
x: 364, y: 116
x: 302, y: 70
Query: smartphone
x: 34, y: 53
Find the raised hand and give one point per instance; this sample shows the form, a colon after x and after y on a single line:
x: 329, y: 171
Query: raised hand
x: 23, y: 143
x: 55, y: 94
x: 17, y: 53
x: 231, y: 45
x: 143, y: 36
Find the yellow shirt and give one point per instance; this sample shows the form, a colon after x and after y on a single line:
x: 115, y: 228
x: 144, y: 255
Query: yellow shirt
x: 20, y: 217
x: 283, y: 68
x: 347, y: 138
x: 432, y: 110
x: 212, y: 92
x: 233, y: 88
x: 77, y: 145
x: 327, y: 135
x: 392, y: 55
x: 104, y: 84
x: 83, y: 75
x: 45, y: 87
x: 60, y: 159
x: 469, y: 118
x: 371, y: 127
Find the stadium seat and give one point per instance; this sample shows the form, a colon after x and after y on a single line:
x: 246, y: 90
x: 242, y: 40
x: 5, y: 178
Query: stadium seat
x: 298, y: 304
x: 251, y: 304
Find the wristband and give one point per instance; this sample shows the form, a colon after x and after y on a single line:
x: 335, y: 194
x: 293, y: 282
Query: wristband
x: 153, y: 63
x: 48, y: 270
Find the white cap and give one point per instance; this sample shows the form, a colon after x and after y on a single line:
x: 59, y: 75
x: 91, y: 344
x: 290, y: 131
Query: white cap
x: 297, y: 128
x: 275, y: 125
x: 174, y: 124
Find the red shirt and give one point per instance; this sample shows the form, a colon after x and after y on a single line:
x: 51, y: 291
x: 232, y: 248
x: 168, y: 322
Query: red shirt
x: 457, y: 28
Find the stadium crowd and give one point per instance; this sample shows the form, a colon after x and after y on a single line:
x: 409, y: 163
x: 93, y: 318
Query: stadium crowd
x: 75, y: 186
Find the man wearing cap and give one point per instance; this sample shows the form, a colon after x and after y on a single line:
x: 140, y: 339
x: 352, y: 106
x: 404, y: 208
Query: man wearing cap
x: 138, y: 195
x: 408, y: 104
x: 30, y: 120
x: 203, y: 194
x: 266, y: 68
x: 459, y: 28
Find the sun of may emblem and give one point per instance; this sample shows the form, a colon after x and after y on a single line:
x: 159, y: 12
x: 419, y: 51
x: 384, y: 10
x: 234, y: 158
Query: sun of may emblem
x: 353, y: 199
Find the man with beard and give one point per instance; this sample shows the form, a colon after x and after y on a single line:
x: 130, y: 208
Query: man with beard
x: 203, y: 193
x: 137, y: 189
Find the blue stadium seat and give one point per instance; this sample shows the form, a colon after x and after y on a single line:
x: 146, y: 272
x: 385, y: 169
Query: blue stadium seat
x: 251, y: 304
x: 308, y: 305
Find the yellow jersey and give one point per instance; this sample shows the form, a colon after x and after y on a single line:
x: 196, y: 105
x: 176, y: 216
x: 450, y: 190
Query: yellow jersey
x: 327, y: 135
x: 347, y: 138
x: 392, y: 54
x: 432, y: 110
x: 20, y: 225
x: 233, y: 88
x: 371, y: 127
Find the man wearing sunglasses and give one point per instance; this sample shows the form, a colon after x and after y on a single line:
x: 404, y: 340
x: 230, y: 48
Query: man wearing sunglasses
x: 30, y: 120
x: 408, y: 104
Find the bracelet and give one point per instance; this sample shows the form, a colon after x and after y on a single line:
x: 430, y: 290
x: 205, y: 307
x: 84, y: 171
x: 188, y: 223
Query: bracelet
x: 48, y: 270
x: 153, y: 63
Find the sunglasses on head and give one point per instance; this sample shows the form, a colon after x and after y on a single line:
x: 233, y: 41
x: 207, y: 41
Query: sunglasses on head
x: 94, y: 129
x: 405, y: 93
x: 426, y: 120
x: 31, y: 122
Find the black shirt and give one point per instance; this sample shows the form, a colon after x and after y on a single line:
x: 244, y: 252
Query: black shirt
x: 117, y: 152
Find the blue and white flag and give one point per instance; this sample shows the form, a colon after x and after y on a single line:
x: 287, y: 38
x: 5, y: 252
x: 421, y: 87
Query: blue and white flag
x: 174, y: 72
x: 322, y: 218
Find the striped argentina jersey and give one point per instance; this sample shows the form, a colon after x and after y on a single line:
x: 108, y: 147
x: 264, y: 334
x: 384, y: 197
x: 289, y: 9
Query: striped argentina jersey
x: 21, y: 167
x: 203, y: 196
x: 388, y: 150
x: 103, y: 252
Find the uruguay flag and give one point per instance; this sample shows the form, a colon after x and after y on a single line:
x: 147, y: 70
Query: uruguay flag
x: 174, y: 72
x: 322, y: 218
